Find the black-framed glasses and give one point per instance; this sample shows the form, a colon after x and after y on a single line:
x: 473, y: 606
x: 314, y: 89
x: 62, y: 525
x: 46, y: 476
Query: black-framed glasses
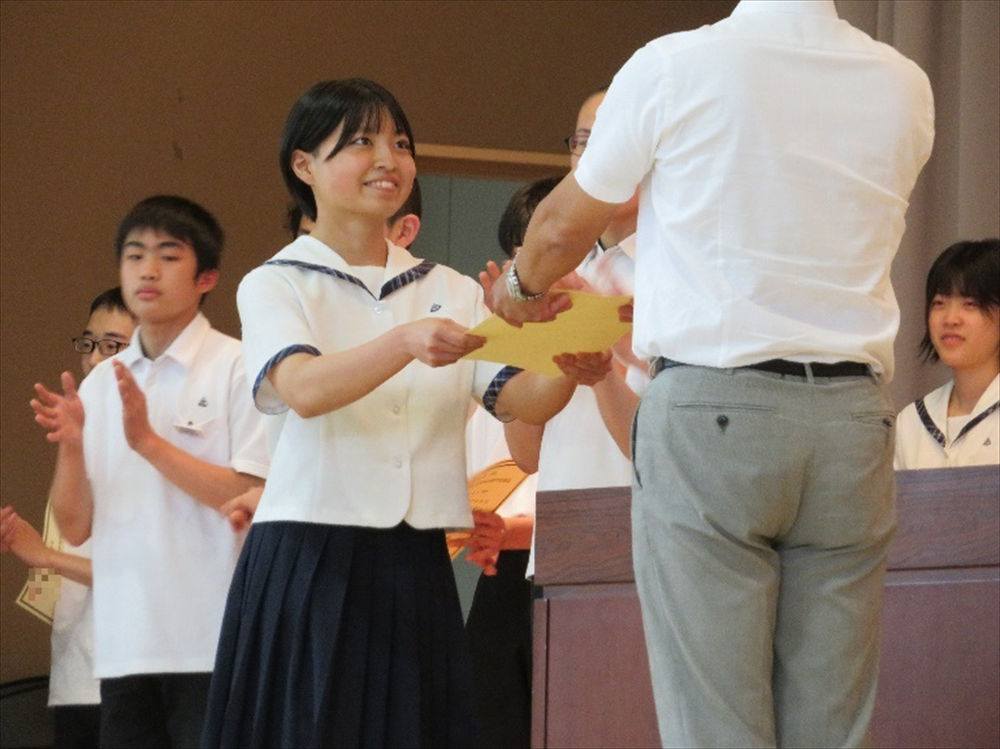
x: 576, y: 143
x: 107, y: 346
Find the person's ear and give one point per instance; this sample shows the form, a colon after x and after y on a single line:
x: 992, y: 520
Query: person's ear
x: 406, y: 230
x: 302, y: 166
x: 206, y: 280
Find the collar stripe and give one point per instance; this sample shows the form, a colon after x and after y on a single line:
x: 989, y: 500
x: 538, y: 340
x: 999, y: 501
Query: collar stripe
x: 937, y: 434
x: 394, y: 284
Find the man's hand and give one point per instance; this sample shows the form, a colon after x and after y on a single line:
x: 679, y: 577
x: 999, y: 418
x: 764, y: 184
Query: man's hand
x: 135, y: 417
x: 60, y: 415
x: 518, y: 313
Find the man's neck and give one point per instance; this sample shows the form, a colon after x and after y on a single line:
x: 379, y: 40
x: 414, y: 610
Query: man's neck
x: 156, y: 337
x: 970, y: 384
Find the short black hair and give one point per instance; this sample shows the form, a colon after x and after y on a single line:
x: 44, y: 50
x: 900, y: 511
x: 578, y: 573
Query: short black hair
x: 111, y: 299
x: 293, y: 220
x: 517, y: 214
x: 414, y: 204
x: 970, y: 268
x: 182, y: 219
x: 357, y: 103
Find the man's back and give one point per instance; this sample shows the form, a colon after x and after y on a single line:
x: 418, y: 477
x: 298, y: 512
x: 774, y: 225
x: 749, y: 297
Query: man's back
x: 785, y: 144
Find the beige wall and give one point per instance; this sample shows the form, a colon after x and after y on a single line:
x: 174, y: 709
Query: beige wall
x: 104, y: 103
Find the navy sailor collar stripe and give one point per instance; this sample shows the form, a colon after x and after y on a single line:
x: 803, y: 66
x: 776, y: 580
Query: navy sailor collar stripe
x: 936, y: 434
x: 394, y: 284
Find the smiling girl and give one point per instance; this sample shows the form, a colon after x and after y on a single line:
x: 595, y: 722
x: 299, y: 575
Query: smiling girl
x: 958, y: 424
x: 343, y: 626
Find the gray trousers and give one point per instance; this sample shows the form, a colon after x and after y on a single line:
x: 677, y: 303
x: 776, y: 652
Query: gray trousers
x: 763, y: 507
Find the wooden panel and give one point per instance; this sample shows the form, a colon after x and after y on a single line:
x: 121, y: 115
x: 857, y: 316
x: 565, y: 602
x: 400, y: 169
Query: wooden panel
x: 940, y: 652
x: 939, y: 682
x: 587, y: 536
x: 948, y: 517
x: 599, y: 692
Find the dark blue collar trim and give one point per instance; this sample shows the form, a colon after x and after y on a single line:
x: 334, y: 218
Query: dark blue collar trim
x: 937, y: 434
x: 395, y: 284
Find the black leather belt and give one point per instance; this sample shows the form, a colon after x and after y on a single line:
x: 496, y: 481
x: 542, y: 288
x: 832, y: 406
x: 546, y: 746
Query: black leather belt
x: 785, y: 367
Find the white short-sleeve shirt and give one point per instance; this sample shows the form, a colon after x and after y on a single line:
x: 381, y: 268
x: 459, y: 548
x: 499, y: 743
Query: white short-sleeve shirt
x: 775, y: 152
x: 71, y: 676
x: 927, y: 438
x: 396, y: 454
x: 162, y: 560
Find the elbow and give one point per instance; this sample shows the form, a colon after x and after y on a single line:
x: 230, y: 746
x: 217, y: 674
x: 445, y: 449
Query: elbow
x: 529, y: 465
x: 75, y: 533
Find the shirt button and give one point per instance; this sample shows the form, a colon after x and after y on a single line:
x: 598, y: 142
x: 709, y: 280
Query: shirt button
x: 395, y: 409
x: 377, y: 309
x: 398, y: 463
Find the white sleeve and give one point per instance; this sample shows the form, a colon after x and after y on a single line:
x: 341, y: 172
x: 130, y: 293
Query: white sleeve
x: 274, y: 326
x: 627, y: 130
x: 248, y: 443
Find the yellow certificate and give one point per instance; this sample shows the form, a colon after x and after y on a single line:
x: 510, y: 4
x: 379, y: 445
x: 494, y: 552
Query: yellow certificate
x: 591, y: 324
x: 489, y: 489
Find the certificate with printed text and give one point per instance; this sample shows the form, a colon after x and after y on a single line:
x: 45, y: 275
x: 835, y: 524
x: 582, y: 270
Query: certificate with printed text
x: 489, y: 489
x: 39, y: 594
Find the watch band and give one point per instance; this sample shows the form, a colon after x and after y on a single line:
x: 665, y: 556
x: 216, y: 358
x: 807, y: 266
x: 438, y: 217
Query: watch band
x: 514, y: 285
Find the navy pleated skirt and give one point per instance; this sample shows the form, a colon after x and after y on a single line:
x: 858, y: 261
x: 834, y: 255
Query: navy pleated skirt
x: 341, y: 636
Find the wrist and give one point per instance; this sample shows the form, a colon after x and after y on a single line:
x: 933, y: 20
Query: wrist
x: 515, y: 289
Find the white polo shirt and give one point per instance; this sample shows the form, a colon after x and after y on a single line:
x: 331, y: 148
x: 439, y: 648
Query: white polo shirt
x: 927, y: 438
x: 396, y: 454
x: 71, y: 676
x: 775, y: 152
x: 163, y: 561
x: 486, y: 444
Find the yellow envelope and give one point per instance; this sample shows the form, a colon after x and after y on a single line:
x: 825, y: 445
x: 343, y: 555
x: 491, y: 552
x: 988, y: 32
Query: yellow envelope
x: 591, y: 324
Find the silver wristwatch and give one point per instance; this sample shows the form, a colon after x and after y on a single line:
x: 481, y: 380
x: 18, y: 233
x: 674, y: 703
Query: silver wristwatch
x: 514, y: 286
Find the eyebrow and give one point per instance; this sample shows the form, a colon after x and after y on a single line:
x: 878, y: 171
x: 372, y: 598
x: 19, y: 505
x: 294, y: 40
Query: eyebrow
x: 164, y: 245
x: 110, y: 334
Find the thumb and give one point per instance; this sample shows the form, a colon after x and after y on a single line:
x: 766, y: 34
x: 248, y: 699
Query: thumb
x: 68, y: 384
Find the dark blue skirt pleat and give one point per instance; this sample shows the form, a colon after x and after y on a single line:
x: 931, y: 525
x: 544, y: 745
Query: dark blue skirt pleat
x: 342, y: 636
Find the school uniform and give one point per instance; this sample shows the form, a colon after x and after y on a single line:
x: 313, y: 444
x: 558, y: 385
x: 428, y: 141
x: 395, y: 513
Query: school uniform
x: 927, y: 438
x: 499, y: 622
x: 774, y: 152
x: 343, y: 625
x: 74, y: 693
x: 162, y: 561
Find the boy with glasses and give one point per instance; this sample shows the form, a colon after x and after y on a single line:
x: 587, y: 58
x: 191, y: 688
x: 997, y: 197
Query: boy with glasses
x: 64, y: 569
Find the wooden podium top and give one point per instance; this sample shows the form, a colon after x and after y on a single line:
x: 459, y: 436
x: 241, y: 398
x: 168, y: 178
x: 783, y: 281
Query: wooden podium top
x: 948, y: 517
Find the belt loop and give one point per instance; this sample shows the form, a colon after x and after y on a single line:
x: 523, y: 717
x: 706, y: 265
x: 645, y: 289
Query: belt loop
x: 809, y: 373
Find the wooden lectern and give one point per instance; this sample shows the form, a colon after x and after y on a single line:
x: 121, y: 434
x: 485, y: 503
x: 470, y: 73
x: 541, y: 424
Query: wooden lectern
x: 939, y: 684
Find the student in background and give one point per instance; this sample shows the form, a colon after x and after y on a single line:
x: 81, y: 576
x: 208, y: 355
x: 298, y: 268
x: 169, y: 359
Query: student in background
x: 959, y: 423
x: 74, y: 693
x: 170, y: 434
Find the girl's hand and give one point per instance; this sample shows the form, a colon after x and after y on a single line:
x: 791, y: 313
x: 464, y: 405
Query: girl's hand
x: 486, y: 541
x: 61, y: 415
x: 438, y: 341
x: 583, y: 367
